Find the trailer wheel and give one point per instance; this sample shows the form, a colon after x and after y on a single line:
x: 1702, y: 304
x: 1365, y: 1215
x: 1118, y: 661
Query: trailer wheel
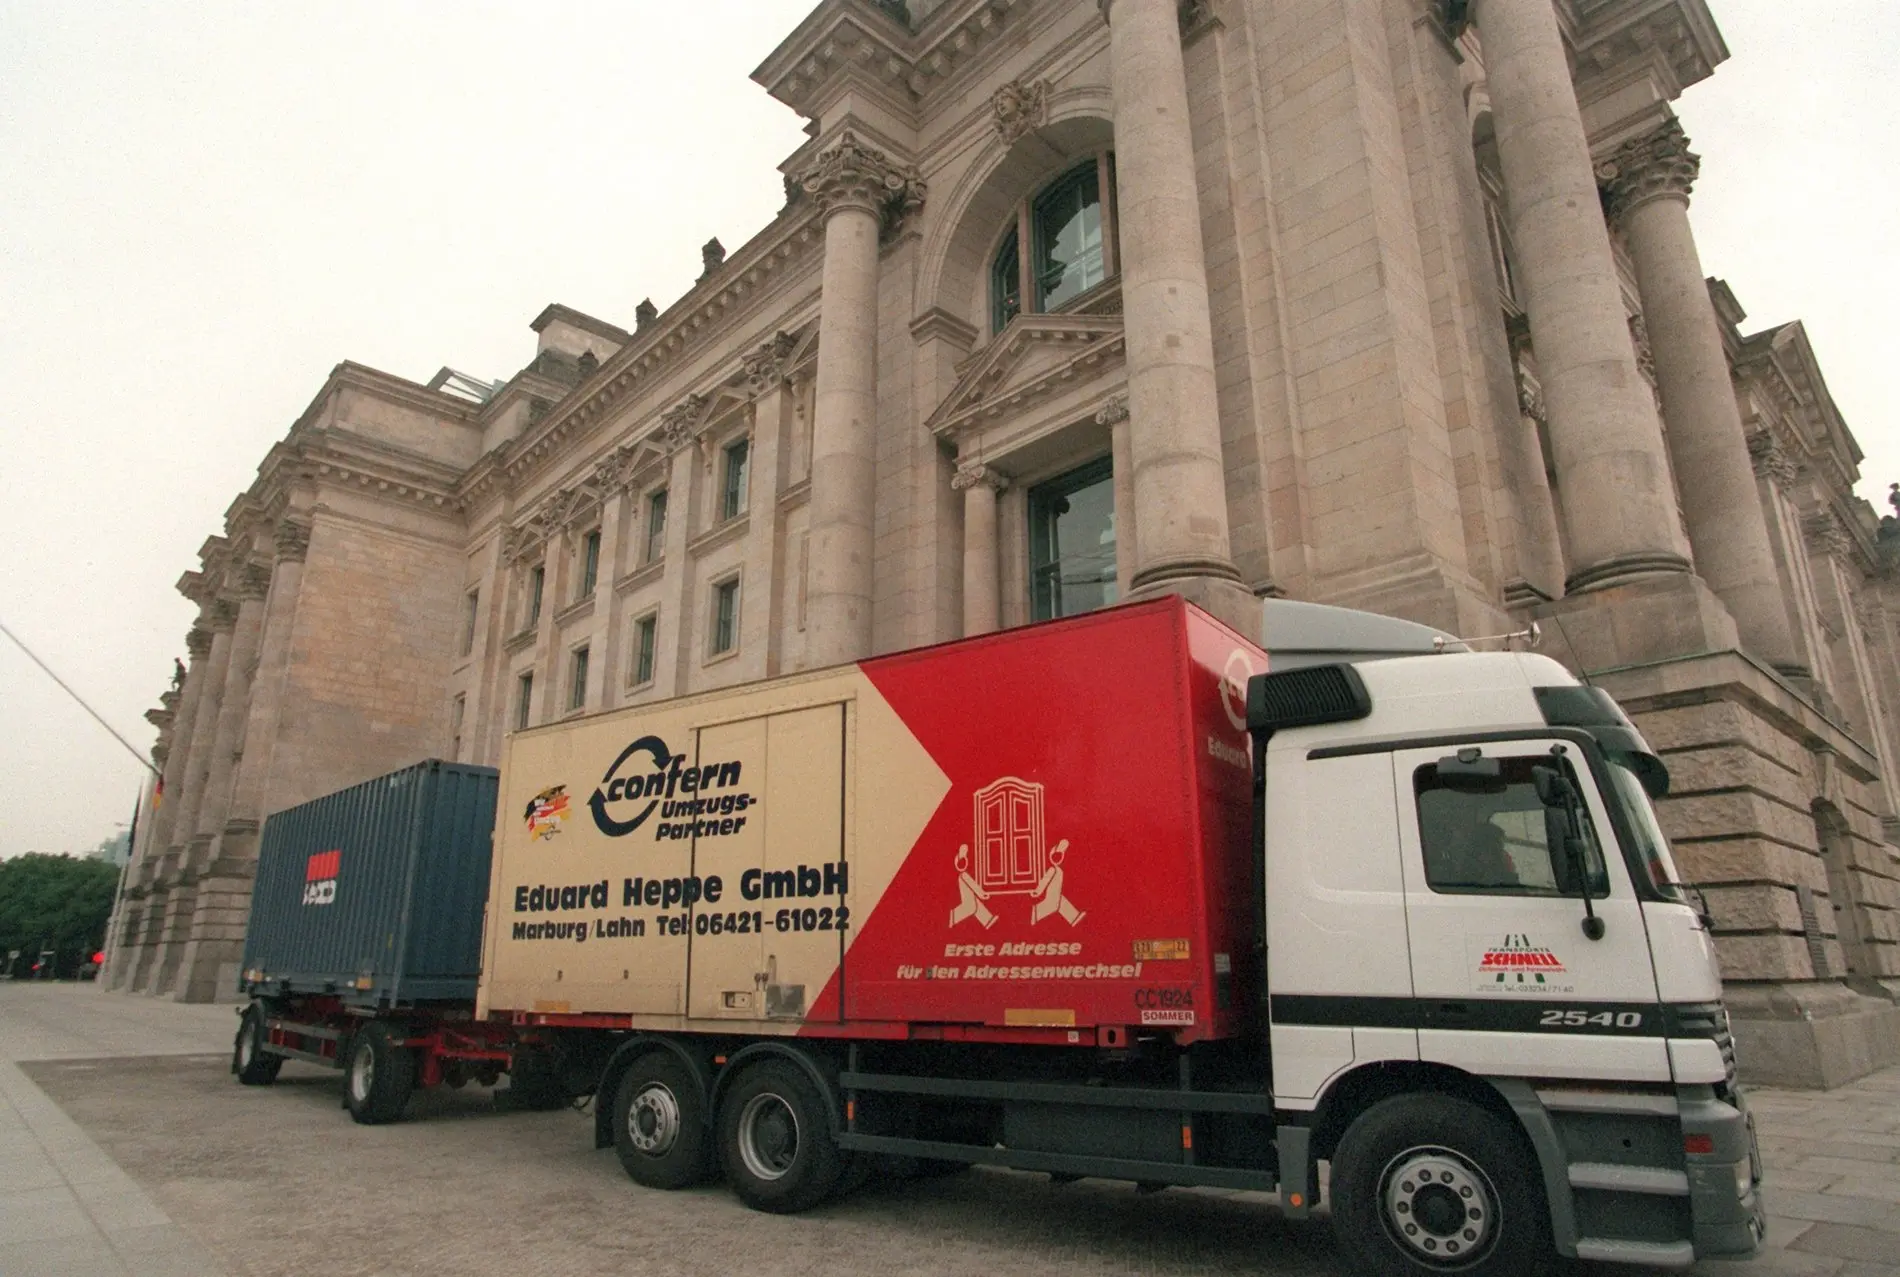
x: 254, y: 1065
x: 1432, y: 1184
x: 775, y: 1140
x: 378, y: 1076
x: 660, y: 1130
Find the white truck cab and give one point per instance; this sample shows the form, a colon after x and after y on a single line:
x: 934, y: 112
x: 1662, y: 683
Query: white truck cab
x: 1467, y: 894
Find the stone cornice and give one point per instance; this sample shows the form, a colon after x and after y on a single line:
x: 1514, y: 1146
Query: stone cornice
x: 984, y: 390
x: 1680, y: 36
x: 701, y: 316
x: 852, y: 44
x: 582, y: 321
x: 719, y: 534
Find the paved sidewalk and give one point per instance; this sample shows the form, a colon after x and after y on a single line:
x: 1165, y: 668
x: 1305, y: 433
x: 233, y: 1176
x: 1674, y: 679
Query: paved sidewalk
x: 1831, y: 1167
x: 66, y: 1209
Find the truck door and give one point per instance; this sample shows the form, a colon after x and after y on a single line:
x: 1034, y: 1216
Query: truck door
x: 772, y: 940
x: 1506, y: 980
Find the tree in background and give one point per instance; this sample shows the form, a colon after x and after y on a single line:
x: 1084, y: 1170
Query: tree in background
x: 54, y: 902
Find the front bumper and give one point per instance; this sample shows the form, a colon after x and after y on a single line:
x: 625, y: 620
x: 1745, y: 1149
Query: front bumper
x: 1726, y: 1209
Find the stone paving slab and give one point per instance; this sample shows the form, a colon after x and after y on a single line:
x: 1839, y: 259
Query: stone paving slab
x: 66, y: 1208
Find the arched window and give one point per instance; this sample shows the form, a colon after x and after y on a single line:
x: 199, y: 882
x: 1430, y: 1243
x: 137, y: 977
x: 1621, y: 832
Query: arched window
x: 1070, y: 231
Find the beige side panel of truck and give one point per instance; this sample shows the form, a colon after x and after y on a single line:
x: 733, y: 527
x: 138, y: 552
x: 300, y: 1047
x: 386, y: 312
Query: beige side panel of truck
x: 833, y: 778
x: 740, y: 970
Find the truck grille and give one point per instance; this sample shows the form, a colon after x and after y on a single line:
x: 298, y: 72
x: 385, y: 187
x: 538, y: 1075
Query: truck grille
x: 1708, y: 1020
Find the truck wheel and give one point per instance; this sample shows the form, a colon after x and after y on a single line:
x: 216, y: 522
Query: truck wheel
x: 1433, y: 1184
x: 379, y: 1076
x: 660, y: 1130
x: 254, y: 1065
x: 775, y: 1140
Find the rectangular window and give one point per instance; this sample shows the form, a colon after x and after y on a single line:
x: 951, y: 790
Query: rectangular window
x: 590, y: 563
x: 1068, y: 220
x: 1498, y: 837
x: 577, y: 680
x: 646, y: 636
x: 537, y: 579
x: 732, y: 499
x: 656, y: 526
x: 458, y: 708
x: 471, y: 612
x: 1072, y: 542
x: 725, y: 617
x: 524, y: 700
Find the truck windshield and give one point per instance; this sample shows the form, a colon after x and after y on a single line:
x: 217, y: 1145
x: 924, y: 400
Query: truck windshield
x: 1641, y: 818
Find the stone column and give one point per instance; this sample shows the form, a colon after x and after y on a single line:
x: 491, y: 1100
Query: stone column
x: 177, y: 757
x: 250, y: 793
x: 1114, y: 415
x: 1180, y: 490
x: 854, y: 183
x: 1649, y: 179
x: 981, y: 596
x: 252, y: 583
x: 761, y: 601
x: 1618, y: 502
x: 221, y: 619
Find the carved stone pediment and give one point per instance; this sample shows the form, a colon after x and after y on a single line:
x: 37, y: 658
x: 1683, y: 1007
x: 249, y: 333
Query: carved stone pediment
x: 1036, y: 357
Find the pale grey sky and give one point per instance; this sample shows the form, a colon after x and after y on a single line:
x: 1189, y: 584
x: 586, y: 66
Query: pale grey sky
x: 205, y: 206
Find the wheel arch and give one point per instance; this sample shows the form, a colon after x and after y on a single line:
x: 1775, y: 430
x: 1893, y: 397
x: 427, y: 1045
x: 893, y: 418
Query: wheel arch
x: 694, y: 1056
x: 822, y: 1071
x: 1359, y: 1089
x: 1512, y: 1099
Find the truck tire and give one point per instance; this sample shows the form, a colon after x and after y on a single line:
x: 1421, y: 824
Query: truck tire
x: 775, y: 1139
x: 379, y: 1076
x: 254, y: 1065
x: 1432, y: 1184
x: 660, y: 1129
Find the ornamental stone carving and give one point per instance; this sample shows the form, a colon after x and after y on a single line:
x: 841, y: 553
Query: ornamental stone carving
x: 680, y: 423
x: 221, y: 616
x: 197, y: 642
x: 1020, y: 106
x: 974, y: 475
x: 253, y: 581
x: 1824, y: 534
x: 1658, y: 164
x: 769, y: 363
x: 291, y: 539
x: 1645, y: 358
x: 1770, y: 459
x: 1530, y: 397
x: 1113, y: 412
x: 850, y: 174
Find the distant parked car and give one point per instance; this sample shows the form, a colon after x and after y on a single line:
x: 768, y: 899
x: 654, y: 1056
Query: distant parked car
x: 89, y: 969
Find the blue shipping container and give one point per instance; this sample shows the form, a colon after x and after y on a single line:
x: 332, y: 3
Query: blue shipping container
x: 376, y: 893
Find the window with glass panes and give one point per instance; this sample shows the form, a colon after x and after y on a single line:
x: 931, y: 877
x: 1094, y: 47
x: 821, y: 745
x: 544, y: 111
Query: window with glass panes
x: 656, y: 525
x: 577, y: 679
x: 646, y: 635
x: 524, y: 700
x: 725, y: 618
x: 537, y: 579
x: 471, y: 611
x: 590, y: 564
x: 1070, y: 232
x: 1072, y: 542
x: 732, y: 495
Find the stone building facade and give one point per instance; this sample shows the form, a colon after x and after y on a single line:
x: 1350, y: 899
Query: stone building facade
x: 1387, y: 303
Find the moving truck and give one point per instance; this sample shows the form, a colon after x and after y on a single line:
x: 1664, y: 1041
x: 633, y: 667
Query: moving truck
x: 1124, y: 895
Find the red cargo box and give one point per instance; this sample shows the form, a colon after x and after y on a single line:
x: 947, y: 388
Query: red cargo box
x: 1041, y: 834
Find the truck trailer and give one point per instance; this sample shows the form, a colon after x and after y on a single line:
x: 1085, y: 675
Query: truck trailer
x: 1125, y: 895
